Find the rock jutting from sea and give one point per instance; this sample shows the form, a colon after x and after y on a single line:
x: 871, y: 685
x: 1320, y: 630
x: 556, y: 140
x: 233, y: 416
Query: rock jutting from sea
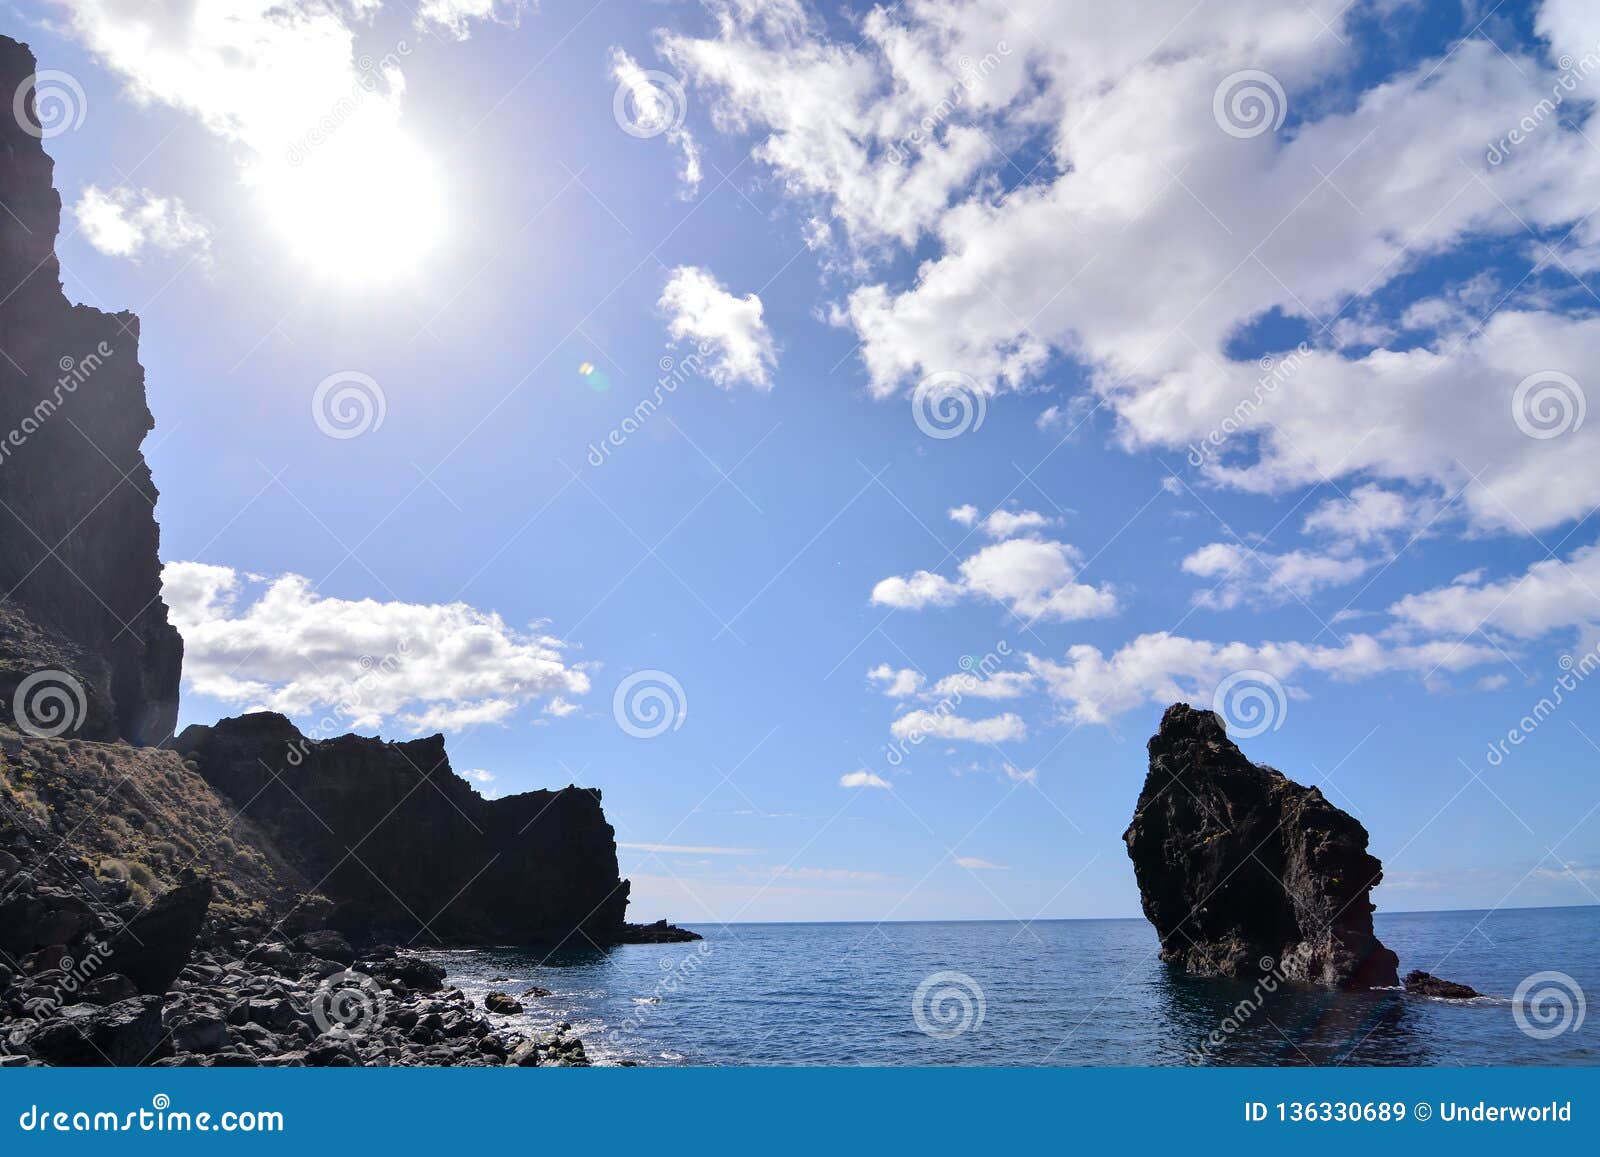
x: 1243, y: 871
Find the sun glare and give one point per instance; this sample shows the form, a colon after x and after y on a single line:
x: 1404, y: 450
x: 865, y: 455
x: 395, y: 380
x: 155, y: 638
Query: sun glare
x: 363, y: 206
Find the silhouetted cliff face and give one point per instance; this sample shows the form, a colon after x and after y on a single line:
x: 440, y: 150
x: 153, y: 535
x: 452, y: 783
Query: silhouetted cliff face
x: 407, y: 850
x: 1242, y: 870
x: 78, y: 536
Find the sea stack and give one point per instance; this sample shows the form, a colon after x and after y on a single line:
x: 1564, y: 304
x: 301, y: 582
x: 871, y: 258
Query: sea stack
x: 1243, y: 871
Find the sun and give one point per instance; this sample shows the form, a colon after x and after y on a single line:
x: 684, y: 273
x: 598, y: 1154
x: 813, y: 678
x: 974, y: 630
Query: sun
x: 363, y: 206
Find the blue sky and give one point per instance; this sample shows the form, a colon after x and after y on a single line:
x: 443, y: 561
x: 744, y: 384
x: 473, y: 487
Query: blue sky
x: 815, y: 217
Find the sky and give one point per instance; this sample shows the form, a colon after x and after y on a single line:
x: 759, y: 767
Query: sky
x: 838, y: 432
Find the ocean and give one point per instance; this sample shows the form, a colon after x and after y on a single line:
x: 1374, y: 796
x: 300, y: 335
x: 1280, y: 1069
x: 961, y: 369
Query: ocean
x: 1050, y: 992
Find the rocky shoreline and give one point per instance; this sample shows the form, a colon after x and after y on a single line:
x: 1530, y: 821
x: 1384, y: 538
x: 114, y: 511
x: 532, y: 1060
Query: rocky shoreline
x: 198, y: 900
x: 279, y: 1005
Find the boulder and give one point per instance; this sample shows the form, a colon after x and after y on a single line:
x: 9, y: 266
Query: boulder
x: 155, y: 945
x: 1419, y: 983
x: 328, y: 945
x: 501, y: 1003
x: 198, y: 1033
x: 1244, y: 872
x: 126, y: 1033
x: 109, y: 989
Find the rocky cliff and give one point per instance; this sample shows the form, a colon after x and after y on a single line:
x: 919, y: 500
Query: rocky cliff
x: 1243, y: 871
x: 80, y: 581
x: 407, y: 850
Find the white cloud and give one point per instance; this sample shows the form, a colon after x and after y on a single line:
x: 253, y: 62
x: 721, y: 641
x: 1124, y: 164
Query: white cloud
x: 1151, y: 237
x: 1161, y: 667
x: 699, y: 309
x: 923, y: 589
x: 1244, y: 576
x: 942, y: 725
x: 122, y: 222
x: 898, y: 683
x: 485, y: 779
x: 456, y: 16
x: 1371, y: 514
x: 1000, y: 523
x: 974, y: 864
x: 655, y: 107
x: 315, y: 128
x: 862, y: 779
x: 1034, y: 578
x: 1006, y: 523
x: 997, y: 685
x: 1549, y: 596
x: 278, y: 645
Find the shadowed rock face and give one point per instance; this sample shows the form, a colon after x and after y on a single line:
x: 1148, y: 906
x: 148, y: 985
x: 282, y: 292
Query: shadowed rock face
x: 407, y: 850
x: 77, y: 504
x: 1239, y: 865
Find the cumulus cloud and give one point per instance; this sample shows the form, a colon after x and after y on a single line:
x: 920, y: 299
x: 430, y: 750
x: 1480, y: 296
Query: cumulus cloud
x: 1033, y: 578
x: 1551, y: 595
x: 897, y: 683
x: 1243, y: 575
x: 943, y: 725
x: 1371, y: 514
x: 997, y: 685
x: 1152, y: 236
x: 862, y: 779
x: 123, y: 222
x: 1007, y: 523
x: 1160, y: 667
x: 699, y: 309
x: 276, y: 644
x: 1000, y: 523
